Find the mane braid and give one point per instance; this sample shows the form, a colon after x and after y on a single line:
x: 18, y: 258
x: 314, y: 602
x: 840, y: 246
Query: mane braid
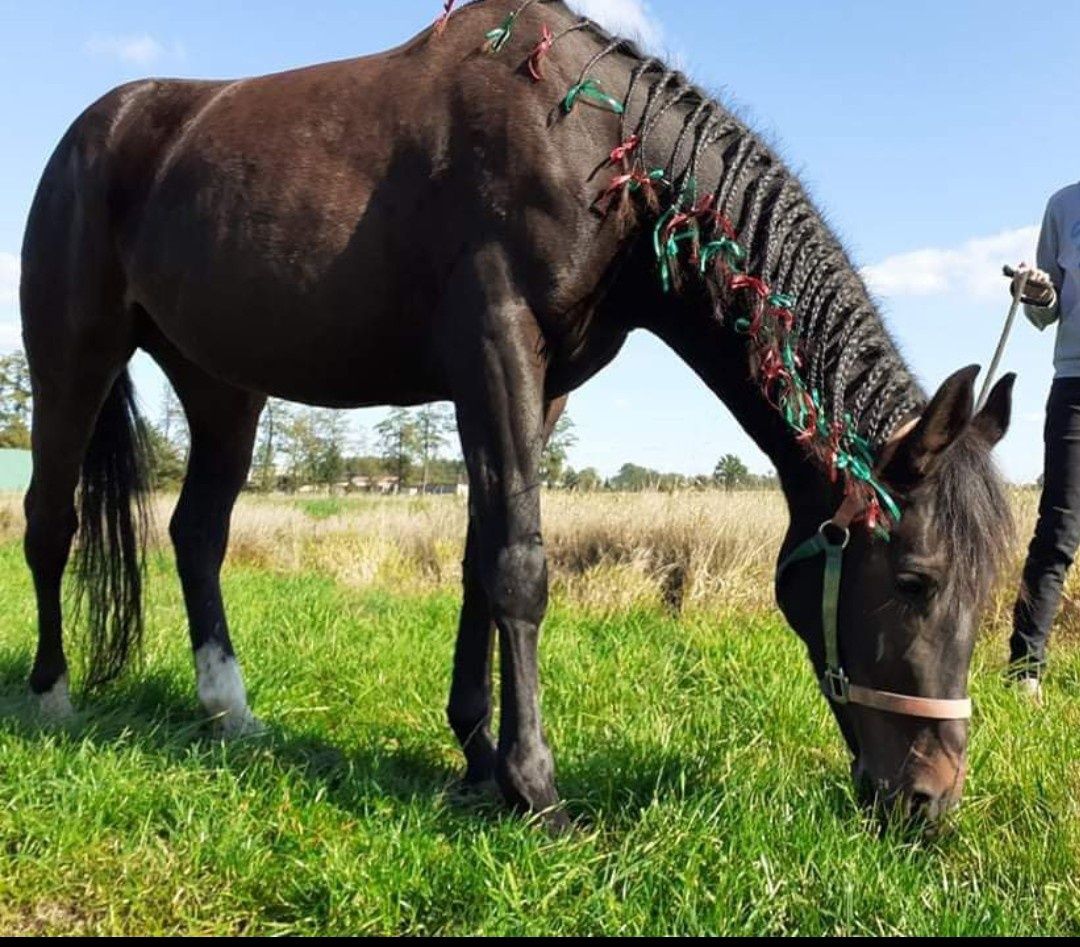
x: 815, y: 342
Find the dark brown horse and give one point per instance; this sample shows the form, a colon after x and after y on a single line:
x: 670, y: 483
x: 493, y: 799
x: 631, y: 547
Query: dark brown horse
x: 424, y: 224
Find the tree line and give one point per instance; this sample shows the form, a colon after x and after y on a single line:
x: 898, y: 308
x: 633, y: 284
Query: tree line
x: 14, y: 402
x: 299, y: 447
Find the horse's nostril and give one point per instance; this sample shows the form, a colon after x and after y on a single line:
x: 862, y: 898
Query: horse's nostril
x: 923, y: 805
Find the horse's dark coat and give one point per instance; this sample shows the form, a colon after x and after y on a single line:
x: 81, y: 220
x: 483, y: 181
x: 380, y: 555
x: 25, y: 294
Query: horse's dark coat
x: 419, y: 225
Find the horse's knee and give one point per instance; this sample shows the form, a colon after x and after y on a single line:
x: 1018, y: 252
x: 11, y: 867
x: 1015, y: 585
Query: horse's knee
x: 516, y: 581
x: 48, y: 537
x: 196, y: 537
x: 468, y: 713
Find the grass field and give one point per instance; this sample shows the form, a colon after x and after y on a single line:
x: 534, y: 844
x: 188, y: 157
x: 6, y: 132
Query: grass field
x: 710, y: 783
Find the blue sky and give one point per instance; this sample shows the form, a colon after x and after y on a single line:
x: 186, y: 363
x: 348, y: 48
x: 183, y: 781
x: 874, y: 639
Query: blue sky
x: 930, y: 133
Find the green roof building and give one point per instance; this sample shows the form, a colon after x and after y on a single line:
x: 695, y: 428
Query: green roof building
x: 14, y: 470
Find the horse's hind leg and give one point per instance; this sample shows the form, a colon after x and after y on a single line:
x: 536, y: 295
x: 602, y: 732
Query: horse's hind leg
x: 66, y: 406
x: 223, y: 422
x: 469, y: 708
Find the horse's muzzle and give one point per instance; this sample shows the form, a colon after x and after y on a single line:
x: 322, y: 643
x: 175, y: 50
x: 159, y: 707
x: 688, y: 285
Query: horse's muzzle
x: 922, y: 797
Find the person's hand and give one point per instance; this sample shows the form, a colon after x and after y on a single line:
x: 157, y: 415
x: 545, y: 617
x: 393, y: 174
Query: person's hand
x: 1039, y: 291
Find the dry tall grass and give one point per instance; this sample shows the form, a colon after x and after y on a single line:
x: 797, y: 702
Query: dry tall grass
x: 707, y: 550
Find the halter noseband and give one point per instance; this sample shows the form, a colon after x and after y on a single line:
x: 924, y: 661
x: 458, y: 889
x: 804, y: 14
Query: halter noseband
x: 835, y: 683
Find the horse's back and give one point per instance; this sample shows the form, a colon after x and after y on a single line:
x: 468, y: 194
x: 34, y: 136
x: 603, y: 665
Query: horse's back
x: 295, y: 233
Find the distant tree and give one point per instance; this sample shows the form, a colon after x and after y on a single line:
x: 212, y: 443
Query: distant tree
x: 634, y: 477
x: 553, y: 459
x: 313, y: 440
x: 434, y: 424
x: 584, y: 481
x: 166, y: 464
x: 398, y: 442
x: 768, y: 481
x: 15, y: 401
x: 731, y: 473
x: 173, y: 425
x: 328, y: 467
x: 264, y: 466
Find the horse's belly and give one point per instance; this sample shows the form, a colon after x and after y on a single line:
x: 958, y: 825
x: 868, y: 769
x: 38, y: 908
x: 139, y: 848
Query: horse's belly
x: 341, y: 356
x: 296, y: 312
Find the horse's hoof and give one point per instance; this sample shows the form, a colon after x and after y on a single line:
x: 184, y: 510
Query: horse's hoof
x: 471, y: 789
x: 557, y: 823
x: 54, y: 706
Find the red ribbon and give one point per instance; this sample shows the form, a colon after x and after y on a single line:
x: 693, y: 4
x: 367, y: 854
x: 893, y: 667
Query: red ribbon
x: 873, y: 513
x: 786, y: 318
x: 742, y: 281
x: 725, y: 225
x: 703, y: 208
x: 678, y: 221
x: 542, y: 48
x: 440, y: 23
x: 620, y: 181
x: 623, y: 151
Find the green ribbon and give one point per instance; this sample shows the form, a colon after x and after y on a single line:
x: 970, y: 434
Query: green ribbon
x: 658, y: 249
x: 733, y: 253
x: 656, y: 176
x: 854, y: 455
x: 590, y: 89
x: 500, y: 36
x: 668, y: 250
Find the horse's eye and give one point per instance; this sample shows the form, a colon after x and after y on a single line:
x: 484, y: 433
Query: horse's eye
x: 915, y: 586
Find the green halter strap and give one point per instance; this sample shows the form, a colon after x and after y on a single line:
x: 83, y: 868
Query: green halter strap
x: 834, y: 682
x: 831, y: 540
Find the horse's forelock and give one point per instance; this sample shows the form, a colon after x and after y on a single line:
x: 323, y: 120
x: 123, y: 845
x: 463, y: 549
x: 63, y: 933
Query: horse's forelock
x: 973, y: 515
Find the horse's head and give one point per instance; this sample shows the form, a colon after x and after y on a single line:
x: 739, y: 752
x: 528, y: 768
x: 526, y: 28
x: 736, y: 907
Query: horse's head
x: 906, y: 613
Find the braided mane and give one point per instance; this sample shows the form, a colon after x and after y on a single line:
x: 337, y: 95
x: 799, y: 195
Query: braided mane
x: 775, y: 271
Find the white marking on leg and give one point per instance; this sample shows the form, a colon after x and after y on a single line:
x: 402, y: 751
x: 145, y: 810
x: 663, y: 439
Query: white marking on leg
x: 221, y: 691
x: 55, y: 703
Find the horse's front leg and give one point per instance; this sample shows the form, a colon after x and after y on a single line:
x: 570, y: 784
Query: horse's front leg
x: 498, y: 378
x: 469, y: 708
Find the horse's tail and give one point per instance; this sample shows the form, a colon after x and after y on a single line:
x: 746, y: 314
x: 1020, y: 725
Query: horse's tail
x: 113, y: 529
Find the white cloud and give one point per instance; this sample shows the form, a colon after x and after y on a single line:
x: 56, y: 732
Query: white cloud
x: 630, y: 18
x: 971, y: 269
x: 9, y: 281
x: 137, y: 49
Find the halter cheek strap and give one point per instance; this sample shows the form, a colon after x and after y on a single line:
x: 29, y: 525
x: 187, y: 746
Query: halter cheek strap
x: 830, y: 541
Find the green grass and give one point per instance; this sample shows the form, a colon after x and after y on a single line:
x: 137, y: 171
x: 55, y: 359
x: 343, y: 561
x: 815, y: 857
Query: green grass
x: 708, y: 778
x: 321, y: 508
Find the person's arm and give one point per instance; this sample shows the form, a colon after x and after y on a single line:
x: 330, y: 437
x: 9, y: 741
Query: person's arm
x: 1044, y: 307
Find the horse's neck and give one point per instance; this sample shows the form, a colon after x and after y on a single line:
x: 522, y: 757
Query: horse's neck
x: 719, y: 358
x: 848, y: 366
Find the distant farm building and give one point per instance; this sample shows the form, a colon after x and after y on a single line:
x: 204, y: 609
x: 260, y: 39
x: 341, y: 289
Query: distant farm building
x: 448, y: 489
x: 361, y: 484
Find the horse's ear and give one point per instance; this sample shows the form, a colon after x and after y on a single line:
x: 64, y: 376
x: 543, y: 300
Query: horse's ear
x: 943, y: 421
x: 992, y: 423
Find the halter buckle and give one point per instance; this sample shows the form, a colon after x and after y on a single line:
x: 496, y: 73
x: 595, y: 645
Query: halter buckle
x: 835, y: 685
x: 823, y: 531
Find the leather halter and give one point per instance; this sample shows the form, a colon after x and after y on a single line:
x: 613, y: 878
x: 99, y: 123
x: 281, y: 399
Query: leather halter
x: 831, y: 540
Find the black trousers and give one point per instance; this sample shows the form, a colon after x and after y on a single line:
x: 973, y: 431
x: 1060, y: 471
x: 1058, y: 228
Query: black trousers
x: 1057, y: 533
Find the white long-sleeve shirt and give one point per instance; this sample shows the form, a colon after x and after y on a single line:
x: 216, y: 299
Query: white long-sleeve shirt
x: 1059, y: 256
